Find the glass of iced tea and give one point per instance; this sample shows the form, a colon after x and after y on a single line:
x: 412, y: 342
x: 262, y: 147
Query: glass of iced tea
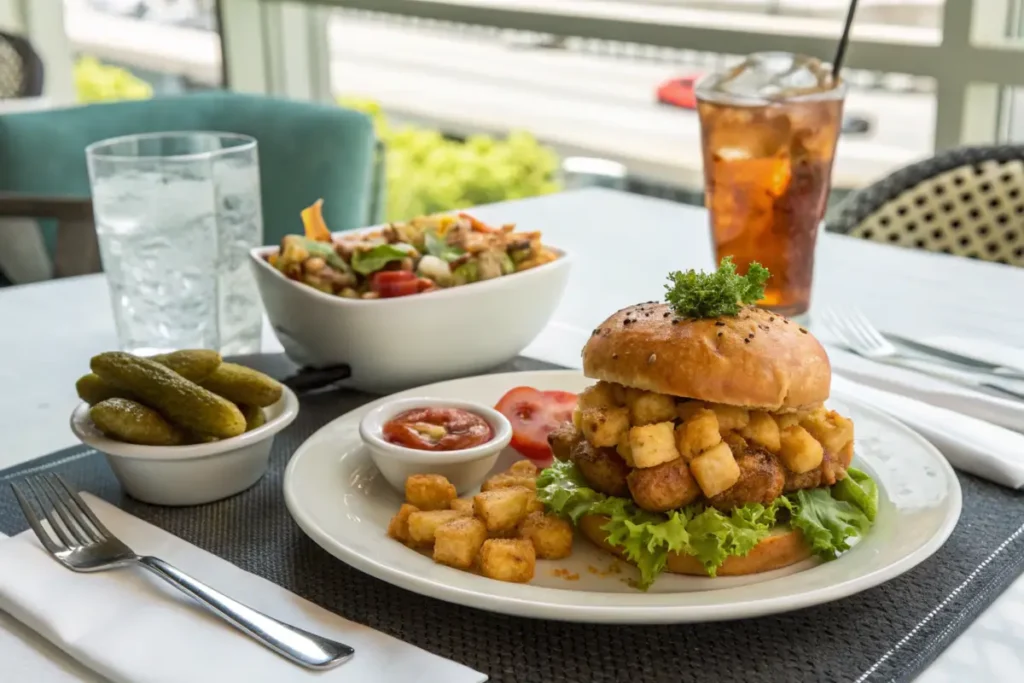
x: 769, y: 128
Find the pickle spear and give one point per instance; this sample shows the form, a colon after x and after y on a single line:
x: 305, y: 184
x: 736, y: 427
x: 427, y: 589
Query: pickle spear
x: 93, y: 390
x: 184, y: 403
x: 133, y: 422
x: 254, y: 416
x: 192, y: 364
x: 243, y: 385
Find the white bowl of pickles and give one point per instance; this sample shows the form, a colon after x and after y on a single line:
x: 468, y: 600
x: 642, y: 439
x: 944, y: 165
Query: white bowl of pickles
x: 183, y: 428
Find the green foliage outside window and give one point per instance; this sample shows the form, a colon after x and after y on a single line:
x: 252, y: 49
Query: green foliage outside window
x: 428, y: 173
x: 99, y: 82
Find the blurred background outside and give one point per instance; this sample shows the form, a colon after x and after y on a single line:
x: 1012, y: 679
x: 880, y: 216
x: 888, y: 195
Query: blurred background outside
x: 483, y: 100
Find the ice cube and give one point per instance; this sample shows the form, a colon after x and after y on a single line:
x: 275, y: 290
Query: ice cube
x: 770, y: 76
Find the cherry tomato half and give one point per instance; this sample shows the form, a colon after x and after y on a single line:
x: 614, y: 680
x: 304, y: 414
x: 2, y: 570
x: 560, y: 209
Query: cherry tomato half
x: 393, y: 276
x: 534, y: 414
x: 388, y: 290
x: 392, y: 283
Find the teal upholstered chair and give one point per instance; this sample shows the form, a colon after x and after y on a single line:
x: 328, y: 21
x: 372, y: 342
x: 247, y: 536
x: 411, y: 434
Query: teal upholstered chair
x: 306, y: 151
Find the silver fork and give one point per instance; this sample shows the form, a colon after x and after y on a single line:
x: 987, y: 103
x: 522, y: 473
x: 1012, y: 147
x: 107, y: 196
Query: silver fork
x: 857, y: 334
x: 80, y: 542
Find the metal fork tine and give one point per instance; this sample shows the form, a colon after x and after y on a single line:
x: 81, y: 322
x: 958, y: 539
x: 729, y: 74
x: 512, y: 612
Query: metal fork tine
x: 67, y: 518
x: 102, y: 533
x: 836, y: 327
x: 47, y: 506
x: 870, y: 330
x: 825, y: 320
x: 74, y: 520
x: 33, y: 520
x: 858, y: 339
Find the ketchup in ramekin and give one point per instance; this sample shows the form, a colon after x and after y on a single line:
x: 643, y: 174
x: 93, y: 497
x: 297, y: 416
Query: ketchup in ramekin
x: 437, y: 429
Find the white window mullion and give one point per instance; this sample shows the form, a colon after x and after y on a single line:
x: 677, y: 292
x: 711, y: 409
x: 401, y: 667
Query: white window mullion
x: 275, y: 48
x: 42, y: 23
x: 951, y: 90
x: 296, y: 49
x: 318, y: 46
x: 968, y: 112
x: 244, y: 46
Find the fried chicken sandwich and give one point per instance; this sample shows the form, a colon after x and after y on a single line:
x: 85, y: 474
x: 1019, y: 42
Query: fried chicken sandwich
x: 705, y: 447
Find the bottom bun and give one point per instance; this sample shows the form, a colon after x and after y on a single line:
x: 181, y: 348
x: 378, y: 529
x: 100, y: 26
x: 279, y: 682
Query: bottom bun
x: 781, y: 549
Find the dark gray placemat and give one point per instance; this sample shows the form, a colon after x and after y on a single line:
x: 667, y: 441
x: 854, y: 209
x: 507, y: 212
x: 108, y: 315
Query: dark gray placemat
x: 887, y: 633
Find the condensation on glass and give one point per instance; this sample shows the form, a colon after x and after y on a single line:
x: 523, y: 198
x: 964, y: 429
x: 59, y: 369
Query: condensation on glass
x: 176, y: 215
x: 769, y: 128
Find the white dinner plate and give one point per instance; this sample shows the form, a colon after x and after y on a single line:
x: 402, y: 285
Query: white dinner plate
x: 341, y: 501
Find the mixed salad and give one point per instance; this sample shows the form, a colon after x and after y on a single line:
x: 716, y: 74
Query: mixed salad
x: 421, y: 255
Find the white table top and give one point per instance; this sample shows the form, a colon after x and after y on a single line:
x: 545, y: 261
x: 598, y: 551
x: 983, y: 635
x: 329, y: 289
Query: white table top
x: 623, y: 245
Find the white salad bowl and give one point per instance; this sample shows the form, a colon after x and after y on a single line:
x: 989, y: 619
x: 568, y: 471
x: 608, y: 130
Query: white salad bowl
x: 192, y: 474
x: 465, y: 468
x: 401, y: 342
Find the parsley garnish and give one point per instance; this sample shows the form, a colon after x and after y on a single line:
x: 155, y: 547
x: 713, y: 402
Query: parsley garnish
x: 709, y: 295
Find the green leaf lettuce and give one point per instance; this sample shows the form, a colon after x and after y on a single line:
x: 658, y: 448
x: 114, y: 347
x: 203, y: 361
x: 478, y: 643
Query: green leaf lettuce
x: 372, y: 260
x: 437, y: 246
x: 708, y: 534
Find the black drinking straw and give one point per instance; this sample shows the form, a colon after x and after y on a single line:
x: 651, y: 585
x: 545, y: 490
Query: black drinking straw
x: 844, y: 40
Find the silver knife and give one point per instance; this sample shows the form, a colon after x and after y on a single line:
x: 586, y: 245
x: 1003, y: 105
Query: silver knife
x: 971, y: 361
x: 978, y: 385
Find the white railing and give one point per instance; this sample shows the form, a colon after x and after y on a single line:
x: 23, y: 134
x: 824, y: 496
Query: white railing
x: 969, y: 59
x: 283, y: 48
x: 187, y: 52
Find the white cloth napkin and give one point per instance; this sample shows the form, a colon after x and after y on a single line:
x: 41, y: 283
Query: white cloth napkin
x: 1006, y: 412
x: 130, y: 627
x: 972, y: 445
x: 962, y: 424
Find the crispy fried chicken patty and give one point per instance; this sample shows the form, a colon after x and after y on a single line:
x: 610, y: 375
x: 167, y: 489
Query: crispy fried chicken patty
x: 563, y: 439
x: 671, y: 485
x: 603, y: 469
x: 762, y: 478
x: 664, y: 487
x: 831, y: 470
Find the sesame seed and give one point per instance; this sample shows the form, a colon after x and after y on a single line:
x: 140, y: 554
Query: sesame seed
x: 719, y: 323
x: 719, y: 334
x: 667, y: 314
x: 675, y: 321
x: 750, y: 336
x: 771, y: 319
x: 615, y: 356
x: 651, y: 358
x: 746, y: 341
x: 803, y: 330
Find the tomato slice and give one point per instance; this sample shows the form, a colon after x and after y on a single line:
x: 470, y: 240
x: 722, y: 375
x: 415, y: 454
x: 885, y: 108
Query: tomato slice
x: 534, y: 414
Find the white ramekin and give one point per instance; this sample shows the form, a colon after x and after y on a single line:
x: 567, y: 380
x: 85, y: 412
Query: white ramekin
x: 465, y: 468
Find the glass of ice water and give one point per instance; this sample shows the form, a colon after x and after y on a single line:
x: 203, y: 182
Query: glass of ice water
x: 176, y: 214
